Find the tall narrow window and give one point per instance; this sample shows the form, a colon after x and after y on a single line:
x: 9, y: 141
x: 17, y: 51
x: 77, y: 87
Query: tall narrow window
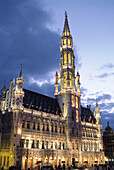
x: 23, y: 124
x: 4, y: 161
x: 28, y: 124
x: 72, y: 115
x: 27, y: 143
x: 22, y: 143
x: 37, y: 144
x: 60, y: 145
x: 7, y: 161
x: 47, y: 127
x: 68, y: 41
x: 33, y: 125
x: 38, y: 126
x: 51, y: 145
x: 33, y: 146
x: 63, y: 146
x: 46, y: 144
x: 56, y: 128
x: 65, y: 82
x: 55, y: 145
x: 42, y: 144
x: 69, y: 58
x: 65, y: 58
x: 43, y: 126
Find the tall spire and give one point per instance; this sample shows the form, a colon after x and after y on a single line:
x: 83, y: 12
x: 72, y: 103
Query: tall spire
x: 67, y: 66
x: 66, y: 29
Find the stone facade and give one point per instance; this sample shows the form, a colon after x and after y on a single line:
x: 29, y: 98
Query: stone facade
x: 38, y: 130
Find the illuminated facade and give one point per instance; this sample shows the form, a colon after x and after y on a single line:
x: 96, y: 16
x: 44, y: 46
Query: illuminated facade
x: 38, y: 130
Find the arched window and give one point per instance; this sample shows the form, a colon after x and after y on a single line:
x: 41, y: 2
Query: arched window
x: 23, y: 124
x: 68, y: 41
x: 65, y: 32
x: 43, y: 126
x: 47, y: 126
x: 42, y: 144
x: 33, y: 125
x: 63, y: 146
x: 72, y: 115
x: 60, y: 145
x: 55, y: 145
x: 70, y: 76
x: 64, y: 41
x: 56, y: 128
x: 69, y: 58
x: 65, y: 82
x: 38, y: 126
x: 65, y: 58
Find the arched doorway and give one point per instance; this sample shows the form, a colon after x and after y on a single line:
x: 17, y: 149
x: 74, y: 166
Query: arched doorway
x: 55, y: 162
x: 83, y: 160
x: 51, y: 160
x: 92, y: 163
x: 73, y: 162
x: 63, y: 162
x: 30, y: 161
x: 59, y: 161
x: 67, y: 161
x: 35, y: 161
x: 24, y: 162
x: 46, y: 160
x: 99, y: 160
x: 39, y: 162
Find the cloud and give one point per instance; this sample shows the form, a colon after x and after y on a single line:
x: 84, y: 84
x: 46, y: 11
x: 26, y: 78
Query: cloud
x: 83, y: 91
x: 45, y: 89
x: 107, y: 66
x: 25, y: 38
x: 104, y: 97
x: 104, y: 75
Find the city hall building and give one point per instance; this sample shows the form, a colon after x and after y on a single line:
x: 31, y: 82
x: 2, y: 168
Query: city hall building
x: 39, y: 130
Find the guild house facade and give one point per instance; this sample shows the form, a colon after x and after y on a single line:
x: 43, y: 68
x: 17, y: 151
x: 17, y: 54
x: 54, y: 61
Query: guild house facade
x: 36, y: 129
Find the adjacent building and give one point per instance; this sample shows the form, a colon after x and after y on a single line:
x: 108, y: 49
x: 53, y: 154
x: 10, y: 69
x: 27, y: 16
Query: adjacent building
x: 108, y: 141
x: 37, y: 129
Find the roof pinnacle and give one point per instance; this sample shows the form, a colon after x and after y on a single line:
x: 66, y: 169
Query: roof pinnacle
x: 21, y: 74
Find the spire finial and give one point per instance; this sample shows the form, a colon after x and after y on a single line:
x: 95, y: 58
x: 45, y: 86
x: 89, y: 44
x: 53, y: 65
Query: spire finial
x: 65, y: 14
x: 21, y: 75
x: 4, y: 87
x: 96, y: 102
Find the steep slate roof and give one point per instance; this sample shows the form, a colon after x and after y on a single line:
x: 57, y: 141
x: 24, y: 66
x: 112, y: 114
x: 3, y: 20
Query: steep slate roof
x: 36, y: 101
x: 87, y: 114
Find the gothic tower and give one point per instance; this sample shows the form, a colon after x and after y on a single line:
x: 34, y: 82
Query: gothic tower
x: 68, y: 97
